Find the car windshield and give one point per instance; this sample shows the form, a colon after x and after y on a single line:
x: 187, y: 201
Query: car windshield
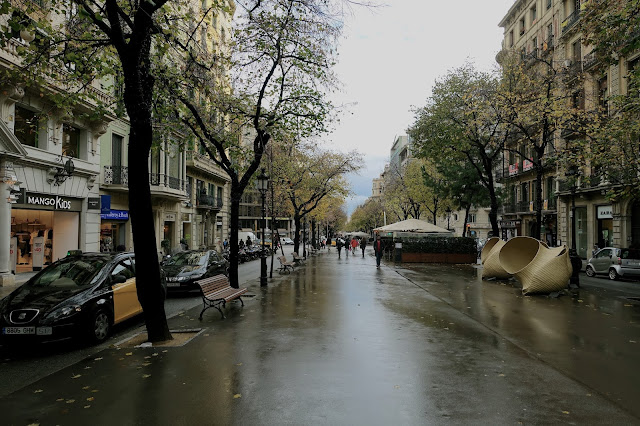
x: 71, y: 272
x: 630, y: 253
x: 191, y: 258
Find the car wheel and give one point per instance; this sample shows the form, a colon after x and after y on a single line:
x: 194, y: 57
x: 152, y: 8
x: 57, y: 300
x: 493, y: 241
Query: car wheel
x: 613, y: 275
x: 100, y: 325
x: 590, y: 272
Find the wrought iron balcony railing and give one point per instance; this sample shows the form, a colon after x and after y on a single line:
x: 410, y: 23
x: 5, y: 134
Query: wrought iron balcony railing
x: 209, y: 201
x: 116, y: 175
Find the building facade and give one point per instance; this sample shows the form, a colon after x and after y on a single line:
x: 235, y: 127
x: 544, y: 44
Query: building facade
x: 577, y: 211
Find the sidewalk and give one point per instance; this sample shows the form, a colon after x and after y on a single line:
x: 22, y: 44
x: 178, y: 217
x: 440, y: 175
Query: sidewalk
x: 341, y: 342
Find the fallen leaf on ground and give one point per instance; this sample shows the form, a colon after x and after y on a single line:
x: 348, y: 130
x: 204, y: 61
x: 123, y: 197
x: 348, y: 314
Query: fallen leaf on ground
x: 87, y: 406
x: 77, y: 376
x: 60, y: 399
x: 70, y: 401
x: 85, y: 387
x: 38, y: 391
x: 565, y: 412
x: 500, y: 375
x: 98, y: 359
x: 90, y: 398
x: 129, y: 353
x: 239, y: 364
x: 144, y: 376
x: 238, y: 395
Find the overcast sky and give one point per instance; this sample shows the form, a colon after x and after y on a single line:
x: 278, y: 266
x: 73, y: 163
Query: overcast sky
x: 389, y: 59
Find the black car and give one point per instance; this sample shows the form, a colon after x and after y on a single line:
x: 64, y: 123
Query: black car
x: 83, y: 294
x: 183, y: 269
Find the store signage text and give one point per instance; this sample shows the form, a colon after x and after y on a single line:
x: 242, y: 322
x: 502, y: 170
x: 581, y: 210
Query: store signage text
x: 57, y: 202
x: 605, y: 212
x: 115, y: 215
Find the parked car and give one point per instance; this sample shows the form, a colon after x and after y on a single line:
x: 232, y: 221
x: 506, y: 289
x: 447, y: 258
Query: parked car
x: 183, y: 269
x: 286, y: 241
x: 615, y: 262
x: 82, y: 295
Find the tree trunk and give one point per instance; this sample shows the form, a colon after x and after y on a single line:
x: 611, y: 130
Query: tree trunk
x: 466, y: 220
x: 296, y: 234
x: 539, y: 173
x: 138, y: 102
x: 313, y: 234
x: 234, y: 259
x: 150, y: 292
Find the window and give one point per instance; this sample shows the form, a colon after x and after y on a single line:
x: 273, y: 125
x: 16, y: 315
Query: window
x: 116, y: 150
x: 26, y: 126
x: 576, y: 48
x: 70, y: 141
x: 534, y: 13
x: 577, y: 99
x: 549, y: 2
x: 511, y: 39
x: 522, y: 25
x: 550, y: 33
x: 212, y: 189
x: 633, y: 67
x: 550, y: 188
x: 534, y: 44
x: 602, y: 93
x: 524, y: 191
x: 472, y: 218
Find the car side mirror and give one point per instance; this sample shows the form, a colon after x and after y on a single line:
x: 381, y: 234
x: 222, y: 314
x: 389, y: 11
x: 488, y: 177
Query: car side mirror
x: 118, y: 279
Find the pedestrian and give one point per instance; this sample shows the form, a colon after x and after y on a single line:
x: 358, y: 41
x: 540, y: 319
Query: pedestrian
x: 329, y: 244
x: 241, y: 244
x: 378, y: 247
x: 225, y: 244
x: 363, y: 245
x: 248, y: 244
x: 339, y: 246
x: 354, y: 245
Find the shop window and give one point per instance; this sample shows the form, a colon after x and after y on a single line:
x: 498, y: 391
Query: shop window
x: 71, y: 141
x: 26, y: 126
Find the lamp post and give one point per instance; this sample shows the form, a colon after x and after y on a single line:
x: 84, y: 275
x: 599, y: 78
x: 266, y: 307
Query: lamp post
x: 448, y: 211
x: 262, y: 184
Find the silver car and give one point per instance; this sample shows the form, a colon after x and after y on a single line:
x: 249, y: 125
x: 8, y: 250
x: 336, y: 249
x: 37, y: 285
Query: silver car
x: 615, y: 262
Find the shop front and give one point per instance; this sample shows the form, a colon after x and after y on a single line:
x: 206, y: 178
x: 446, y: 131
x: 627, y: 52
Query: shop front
x: 604, y: 217
x: 44, y: 227
x: 113, y: 226
x: 510, y: 228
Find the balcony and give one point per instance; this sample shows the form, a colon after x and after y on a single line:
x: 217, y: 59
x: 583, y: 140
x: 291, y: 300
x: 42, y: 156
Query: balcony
x: 165, y: 186
x: 116, y: 175
x: 550, y: 204
x: 208, y: 202
x: 589, y: 60
x: 203, y: 163
x: 570, y: 22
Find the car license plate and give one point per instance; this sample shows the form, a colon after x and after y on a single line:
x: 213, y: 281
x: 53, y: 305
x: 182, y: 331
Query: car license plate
x: 19, y: 330
x: 44, y: 331
x: 173, y: 284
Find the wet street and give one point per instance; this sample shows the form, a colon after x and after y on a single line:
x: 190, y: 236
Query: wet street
x: 341, y: 342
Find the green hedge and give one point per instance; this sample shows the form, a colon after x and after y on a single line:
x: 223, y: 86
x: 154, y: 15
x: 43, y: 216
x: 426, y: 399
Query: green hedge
x: 452, y: 245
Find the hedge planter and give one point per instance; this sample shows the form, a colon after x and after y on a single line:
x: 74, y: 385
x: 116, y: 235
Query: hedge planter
x: 438, y: 250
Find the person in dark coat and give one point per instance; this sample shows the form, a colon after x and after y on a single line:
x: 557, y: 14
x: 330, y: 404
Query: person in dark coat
x: 378, y: 247
x: 339, y: 246
x: 363, y: 245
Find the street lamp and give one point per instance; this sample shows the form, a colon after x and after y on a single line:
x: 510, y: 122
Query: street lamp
x: 262, y: 184
x: 448, y: 211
